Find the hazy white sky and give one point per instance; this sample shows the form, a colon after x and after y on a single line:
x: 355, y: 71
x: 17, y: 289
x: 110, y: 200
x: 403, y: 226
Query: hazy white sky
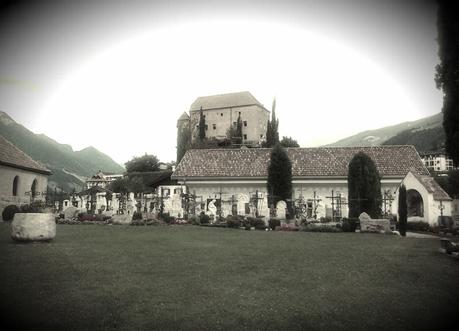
x: 117, y: 75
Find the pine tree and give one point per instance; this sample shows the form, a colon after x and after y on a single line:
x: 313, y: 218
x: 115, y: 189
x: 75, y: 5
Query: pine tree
x: 402, y: 210
x: 279, y: 184
x: 364, y: 187
x: 447, y: 77
x: 202, y: 126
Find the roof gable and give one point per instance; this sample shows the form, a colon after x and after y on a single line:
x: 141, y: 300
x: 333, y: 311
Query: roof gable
x: 227, y: 100
x: 391, y: 161
x: 12, y: 156
x: 431, y: 186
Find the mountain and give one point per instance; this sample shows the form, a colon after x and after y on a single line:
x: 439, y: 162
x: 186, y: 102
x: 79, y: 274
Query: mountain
x: 425, y: 134
x: 69, y: 167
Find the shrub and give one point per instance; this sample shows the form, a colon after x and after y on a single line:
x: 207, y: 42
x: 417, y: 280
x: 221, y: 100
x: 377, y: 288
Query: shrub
x: 203, y: 218
x: 83, y: 217
x: 9, y: 211
x: 193, y: 220
x: 137, y: 216
x: 320, y: 228
x: 260, y: 226
x: 254, y: 221
x: 418, y: 226
x: 34, y: 207
x: 167, y: 218
x: 287, y: 227
x: 233, y: 222
x: 326, y: 219
x: 350, y: 224
x: 273, y: 222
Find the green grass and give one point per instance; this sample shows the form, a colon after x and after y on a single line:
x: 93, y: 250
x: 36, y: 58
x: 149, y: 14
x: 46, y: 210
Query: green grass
x: 188, y: 277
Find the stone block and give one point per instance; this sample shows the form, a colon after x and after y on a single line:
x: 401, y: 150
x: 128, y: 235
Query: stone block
x: 71, y: 212
x: 122, y: 219
x: 33, y: 227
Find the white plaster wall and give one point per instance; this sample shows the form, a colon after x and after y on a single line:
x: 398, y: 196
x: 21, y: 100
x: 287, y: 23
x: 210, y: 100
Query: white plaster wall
x: 26, y: 179
x: 431, y: 206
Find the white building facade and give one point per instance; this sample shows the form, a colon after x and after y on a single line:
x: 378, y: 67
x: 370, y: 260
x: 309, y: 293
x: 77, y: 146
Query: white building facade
x: 237, y: 179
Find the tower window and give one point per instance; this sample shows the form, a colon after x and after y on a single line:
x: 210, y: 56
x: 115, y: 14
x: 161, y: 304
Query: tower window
x: 245, y: 123
x: 245, y: 137
x: 214, y: 126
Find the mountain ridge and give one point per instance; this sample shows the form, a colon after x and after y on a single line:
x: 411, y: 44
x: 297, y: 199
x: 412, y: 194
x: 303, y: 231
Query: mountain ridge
x: 425, y: 134
x: 68, y: 166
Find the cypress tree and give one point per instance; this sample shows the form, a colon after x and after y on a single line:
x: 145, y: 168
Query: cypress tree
x: 202, y: 126
x: 364, y: 187
x: 272, y: 129
x: 402, y: 210
x: 447, y: 77
x: 238, y: 139
x: 279, y: 184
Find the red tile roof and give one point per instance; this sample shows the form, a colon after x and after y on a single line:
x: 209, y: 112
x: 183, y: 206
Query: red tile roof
x: 12, y: 156
x: 432, y: 187
x: 391, y: 161
x: 227, y: 100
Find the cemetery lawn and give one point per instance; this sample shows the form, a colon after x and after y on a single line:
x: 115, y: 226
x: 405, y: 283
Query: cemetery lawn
x: 187, y: 277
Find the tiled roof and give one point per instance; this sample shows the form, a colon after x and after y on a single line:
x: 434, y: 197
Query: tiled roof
x: 12, y: 156
x: 306, y: 162
x: 227, y: 100
x: 432, y: 187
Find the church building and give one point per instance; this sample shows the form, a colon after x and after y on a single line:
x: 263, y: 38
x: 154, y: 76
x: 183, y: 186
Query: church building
x: 235, y: 180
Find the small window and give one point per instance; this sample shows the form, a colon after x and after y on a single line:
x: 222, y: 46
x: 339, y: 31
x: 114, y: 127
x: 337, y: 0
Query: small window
x: 245, y: 137
x: 261, y: 136
x: 206, y: 127
x: 214, y: 126
x: 245, y: 123
x: 221, y: 114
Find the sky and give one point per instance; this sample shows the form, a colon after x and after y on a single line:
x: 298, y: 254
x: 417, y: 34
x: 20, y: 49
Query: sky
x: 116, y: 75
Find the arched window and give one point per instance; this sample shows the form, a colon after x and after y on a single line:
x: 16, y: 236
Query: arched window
x: 33, y: 189
x: 15, y: 185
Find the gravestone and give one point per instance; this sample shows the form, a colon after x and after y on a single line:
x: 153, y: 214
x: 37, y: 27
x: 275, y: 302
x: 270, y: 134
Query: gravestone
x: 367, y: 224
x: 33, y: 227
x: 281, y: 208
x: 71, y: 212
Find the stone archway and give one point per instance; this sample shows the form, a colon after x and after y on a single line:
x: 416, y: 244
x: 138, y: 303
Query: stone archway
x: 415, y: 203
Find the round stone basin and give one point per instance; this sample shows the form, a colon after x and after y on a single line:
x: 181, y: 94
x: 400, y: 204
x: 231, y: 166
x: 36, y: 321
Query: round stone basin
x: 33, y: 227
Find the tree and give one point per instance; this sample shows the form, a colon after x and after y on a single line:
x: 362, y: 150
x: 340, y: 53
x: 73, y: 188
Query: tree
x: 402, y: 210
x: 272, y: 129
x: 120, y: 185
x: 364, y: 187
x: 447, y: 76
x: 202, y: 126
x: 183, y: 141
x: 279, y: 184
x: 289, y: 142
x: 143, y: 163
x: 238, y: 133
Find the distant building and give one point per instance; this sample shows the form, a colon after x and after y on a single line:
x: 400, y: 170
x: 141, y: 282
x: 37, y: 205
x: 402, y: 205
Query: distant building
x: 22, y: 179
x: 221, y: 113
x: 102, y: 180
x: 438, y: 161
